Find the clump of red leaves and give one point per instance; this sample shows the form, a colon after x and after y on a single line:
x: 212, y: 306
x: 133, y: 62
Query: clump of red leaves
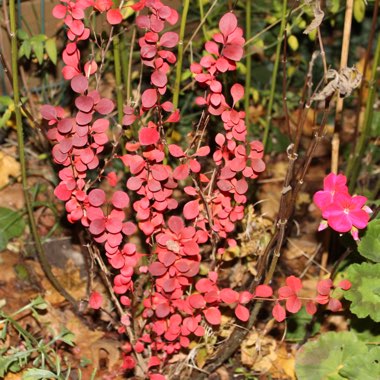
x: 180, y: 302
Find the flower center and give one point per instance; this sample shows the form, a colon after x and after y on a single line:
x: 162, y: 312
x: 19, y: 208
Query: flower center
x: 346, y: 211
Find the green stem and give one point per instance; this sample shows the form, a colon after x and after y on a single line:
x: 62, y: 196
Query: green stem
x: 130, y: 62
x: 248, y: 73
x: 124, y: 57
x: 274, y: 73
x: 355, y: 163
x: 177, y: 83
x: 118, y: 80
x: 20, y: 139
x: 202, y: 14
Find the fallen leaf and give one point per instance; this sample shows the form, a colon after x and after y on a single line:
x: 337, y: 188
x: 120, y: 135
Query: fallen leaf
x: 9, y: 167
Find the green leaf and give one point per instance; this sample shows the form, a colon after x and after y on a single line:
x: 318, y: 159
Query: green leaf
x: 37, y: 374
x: 22, y: 35
x: 6, y: 101
x: 298, y: 323
x: 5, y: 118
x: 38, y: 49
x: 51, y: 49
x: 369, y: 246
x: 365, y: 329
x: 26, y: 48
x: 11, y: 225
x: 39, y: 303
x: 327, y: 356
x: 365, y: 290
x: 359, y: 10
x: 363, y: 367
x: 67, y: 336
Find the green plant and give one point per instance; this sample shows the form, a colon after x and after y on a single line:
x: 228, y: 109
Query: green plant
x: 31, y: 350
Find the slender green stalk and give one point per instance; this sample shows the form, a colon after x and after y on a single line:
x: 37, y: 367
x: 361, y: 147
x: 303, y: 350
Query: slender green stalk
x: 177, y: 83
x: 119, y: 83
x: 124, y: 55
x: 202, y: 14
x: 248, y: 64
x: 353, y: 168
x: 130, y: 62
x: 274, y: 73
x: 21, y: 149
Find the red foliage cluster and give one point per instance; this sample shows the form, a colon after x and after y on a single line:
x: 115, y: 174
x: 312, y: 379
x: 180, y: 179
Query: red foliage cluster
x: 293, y: 301
x: 180, y: 302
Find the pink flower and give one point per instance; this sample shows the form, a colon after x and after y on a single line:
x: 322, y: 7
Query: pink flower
x: 332, y: 185
x: 343, y: 213
x: 347, y: 213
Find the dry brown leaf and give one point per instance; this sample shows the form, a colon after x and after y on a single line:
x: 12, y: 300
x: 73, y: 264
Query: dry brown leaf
x: 259, y: 352
x: 284, y: 366
x: 9, y: 167
x: 344, y: 81
x: 318, y: 17
x: 70, y: 279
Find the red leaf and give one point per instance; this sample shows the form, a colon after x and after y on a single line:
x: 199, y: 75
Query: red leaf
x: 293, y: 304
x: 213, y: 315
x: 97, y: 226
x: 104, y: 106
x: 229, y: 296
x: 84, y: 103
x: 345, y: 284
x: 181, y: 172
x: 79, y: 84
x: 311, y: 308
x: 191, y: 210
x: 96, y: 197
x: 169, y: 39
x: 245, y: 297
x: 242, y: 313
x: 228, y: 23
x: 233, y: 52
x: 334, y: 305
x: 149, y: 98
x: 120, y: 199
x: 264, y: 291
x: 154, y: 361
x: 157, y: 269
x: 96, y: 300
x: 237, y: 92
x: 59, y: 11
x: 203, y: 151
x: 48, y: 112
x: 159, y: 78
x: 148, y: 136
x: 114, y: 16
x: 324, y: 287
x: 279, y: 313
x: 294, y: 283
x: 162, y: 310
x: 204, y: 285
x: 62, y: 192
x: 197, y: 301
x: 176, y: 151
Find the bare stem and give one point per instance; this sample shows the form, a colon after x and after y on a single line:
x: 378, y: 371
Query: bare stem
x: 344, y: 57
